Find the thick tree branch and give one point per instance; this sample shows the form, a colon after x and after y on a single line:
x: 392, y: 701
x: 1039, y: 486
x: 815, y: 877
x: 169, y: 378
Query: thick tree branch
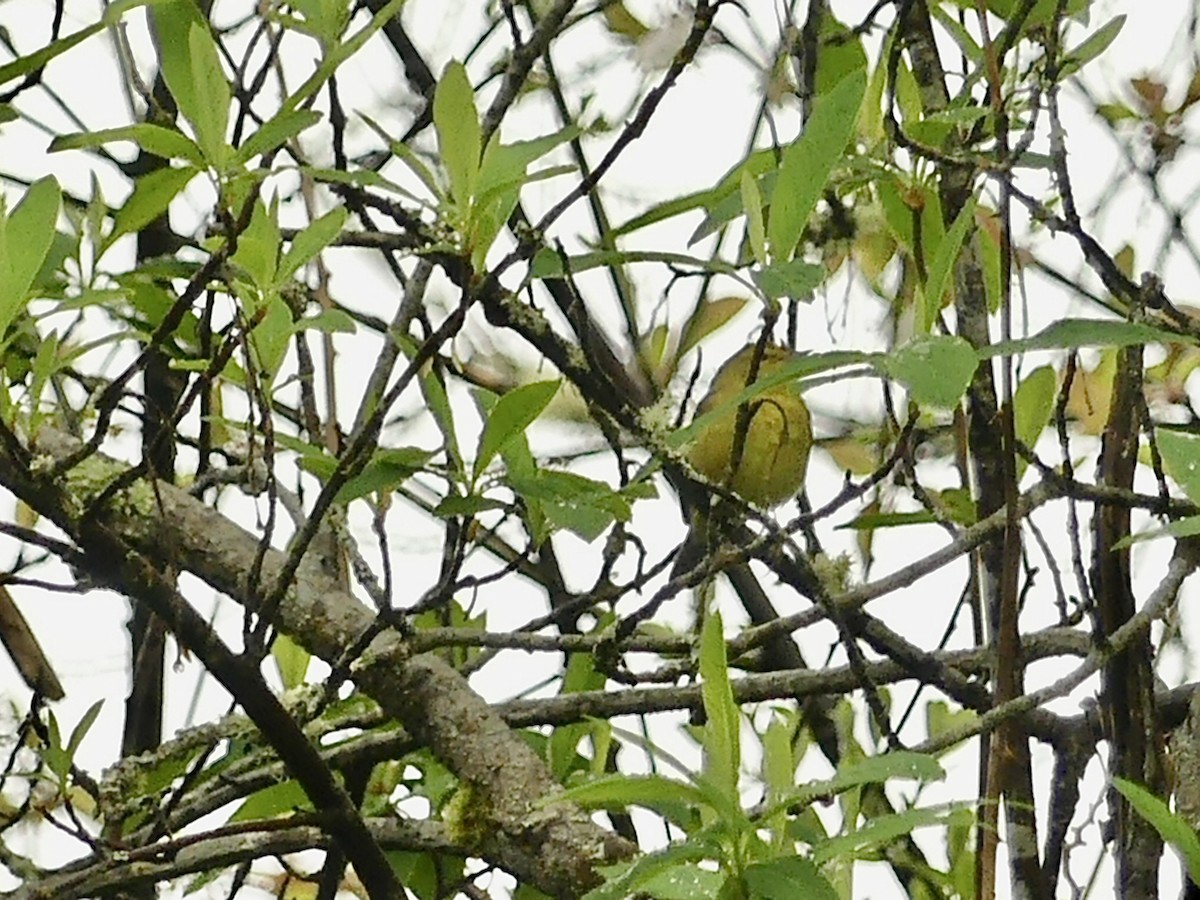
x: 554, y: 846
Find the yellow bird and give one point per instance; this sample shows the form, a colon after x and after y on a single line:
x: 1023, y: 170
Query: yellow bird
x: 778, y: 436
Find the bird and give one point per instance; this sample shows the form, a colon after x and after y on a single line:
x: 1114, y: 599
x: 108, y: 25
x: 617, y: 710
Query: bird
x: 770, y: 465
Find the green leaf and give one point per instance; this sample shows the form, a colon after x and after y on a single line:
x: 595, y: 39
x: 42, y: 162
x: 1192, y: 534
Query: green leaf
x: 1173, y: 829
x: 943, y: 264
x: 457, y: 123
x: 729, y: 207
x: 39, y: 58
x: 684, y: 881
x: 52, y: 279
x: 1116, y: 113
x: 722, y: 743
x: 522, y: 474
x: 54, y: 755
x: 387, y: 469
x: 311, y: 241
x: 1033, y: 403
x: 884, y: 830
x: 841, y: 54
x: 1091, y: 47
x: 941, y: 719
x: 1068, y: 334
x: 276, y: 800
x: 502, y: 174
x: 79, y: 732
x: 1042, y: 13
x: 291, y: 660
x: 621, y: 22
x: 192, y: 69
x: 212, y: 94
x: 323, y: 19
x: 280, y: 128
x: 581, y: 505
x: 46, y: 362
x: 419, y: 872
x: 987, y: 247
x: 795, y: 278
x: 869, y: 770
x: 31, y: 233
x: 935, y: 127
x: 962, y: 37
x: 1181, y: 457
x: 787, y: 879
x: 755, y: 227
x: 406, y: 155
x: 59, y: 757
x: 470, y: 505
x: 757, y: 163
x: 778, y: 773
x: 514, y: 412
x: 270, y: 336
x: 341, y: 51
x: 869, y: 521
x: 165, y: 142
x: 709, y: 316
x: 935, y: 369
x: 170, y: 763
x: 779, y: 764
x: 26, y: 236
x: 152, y: 194
x: 257, y: 253
x: 672, y: 799
x: 624, y: 879
x: 506, y: 164
x: 548, y: 264
x: 329, y: 321
x: 150, y: 302
x: 809, y: 161
x: 437, y: 402
x: 1178, y: 528
x: 897, y: 198
x: 580, y: 674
